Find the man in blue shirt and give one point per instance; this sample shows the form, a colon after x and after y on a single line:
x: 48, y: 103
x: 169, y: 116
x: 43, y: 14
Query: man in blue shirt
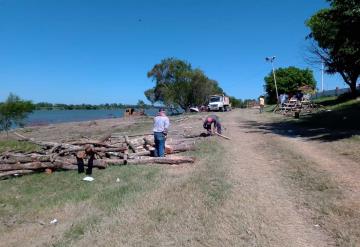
x: 161, y: 125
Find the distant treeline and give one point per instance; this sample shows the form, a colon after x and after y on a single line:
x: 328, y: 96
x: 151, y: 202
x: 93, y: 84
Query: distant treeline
x: 239, y: 103
x: 50, y: 106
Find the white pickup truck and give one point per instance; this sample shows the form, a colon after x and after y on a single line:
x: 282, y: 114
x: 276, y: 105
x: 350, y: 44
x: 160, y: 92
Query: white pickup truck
x: 219, y: 103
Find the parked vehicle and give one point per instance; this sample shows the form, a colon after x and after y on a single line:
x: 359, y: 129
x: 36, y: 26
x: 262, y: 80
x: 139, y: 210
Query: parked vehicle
x: 219, y: 103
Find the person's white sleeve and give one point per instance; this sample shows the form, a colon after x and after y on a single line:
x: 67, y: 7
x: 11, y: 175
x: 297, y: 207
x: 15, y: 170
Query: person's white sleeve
x: 167, y: 123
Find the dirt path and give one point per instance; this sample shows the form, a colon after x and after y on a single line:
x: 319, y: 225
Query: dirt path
x: 259, y: 198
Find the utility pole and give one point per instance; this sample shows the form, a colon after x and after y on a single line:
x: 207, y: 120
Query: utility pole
x: 271, y: 60
x: 322, y: 76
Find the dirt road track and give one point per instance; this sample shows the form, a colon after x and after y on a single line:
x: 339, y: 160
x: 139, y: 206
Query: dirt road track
x: 260, y: 200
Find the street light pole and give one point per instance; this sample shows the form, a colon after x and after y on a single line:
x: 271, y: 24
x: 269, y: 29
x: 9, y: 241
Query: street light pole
x: 322, y: 76
x: 271, y: 60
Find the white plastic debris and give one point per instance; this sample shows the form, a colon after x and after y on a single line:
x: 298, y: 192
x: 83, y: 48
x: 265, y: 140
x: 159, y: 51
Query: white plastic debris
x: 89, y: 179
x: 54, y: 221
x: 118, y: 180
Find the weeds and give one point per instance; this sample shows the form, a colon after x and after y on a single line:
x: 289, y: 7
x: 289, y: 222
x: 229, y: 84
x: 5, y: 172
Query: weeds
x: 17, y: 146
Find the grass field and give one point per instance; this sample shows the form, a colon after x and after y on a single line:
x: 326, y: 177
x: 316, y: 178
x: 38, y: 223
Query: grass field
x: 148, y: 199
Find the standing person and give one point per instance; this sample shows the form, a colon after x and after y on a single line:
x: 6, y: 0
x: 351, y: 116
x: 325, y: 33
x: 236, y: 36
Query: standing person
x: 161, y: 126
x: 212, y: 120
x: 261, y: 103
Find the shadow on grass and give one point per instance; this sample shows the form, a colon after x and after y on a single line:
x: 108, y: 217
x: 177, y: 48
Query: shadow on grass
x: 340, y: 121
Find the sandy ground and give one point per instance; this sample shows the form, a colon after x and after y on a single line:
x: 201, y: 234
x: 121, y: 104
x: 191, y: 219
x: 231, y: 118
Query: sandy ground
x: 264, y: 208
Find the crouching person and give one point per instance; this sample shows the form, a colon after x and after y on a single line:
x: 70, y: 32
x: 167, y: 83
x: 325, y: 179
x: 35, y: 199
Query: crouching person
x: 212, y: 120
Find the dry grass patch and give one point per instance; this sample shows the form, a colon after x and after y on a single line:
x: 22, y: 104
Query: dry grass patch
x: 28, y: 204
x: 181, y: 211
x: 316, y: 190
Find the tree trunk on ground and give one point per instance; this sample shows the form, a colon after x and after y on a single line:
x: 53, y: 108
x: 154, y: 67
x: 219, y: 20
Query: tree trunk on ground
x: 128, y: 142
x: 151, y: 160
x: 8, y: 174
x: 165, y: 160
x: 65, y: 164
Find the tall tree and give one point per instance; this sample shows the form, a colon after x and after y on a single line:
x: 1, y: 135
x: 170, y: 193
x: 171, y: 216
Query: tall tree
x: 14, y: 111
x: 178, y: 85
x: 336, y: 39
x: 150, y: 95
x: 289, y: 80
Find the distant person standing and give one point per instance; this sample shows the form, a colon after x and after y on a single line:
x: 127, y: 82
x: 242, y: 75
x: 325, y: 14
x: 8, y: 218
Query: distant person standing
x: 161, y: 126
x: 262, y: 103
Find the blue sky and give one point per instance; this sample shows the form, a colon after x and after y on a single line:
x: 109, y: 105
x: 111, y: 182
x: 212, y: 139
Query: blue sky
x: 99, y: 51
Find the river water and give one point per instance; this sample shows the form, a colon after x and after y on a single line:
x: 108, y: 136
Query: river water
x: 43, y: 117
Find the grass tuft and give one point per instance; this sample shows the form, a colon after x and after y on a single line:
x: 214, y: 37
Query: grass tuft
x: 18, y: 146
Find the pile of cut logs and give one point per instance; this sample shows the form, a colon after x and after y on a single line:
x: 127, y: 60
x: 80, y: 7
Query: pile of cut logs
x: 114, y: 149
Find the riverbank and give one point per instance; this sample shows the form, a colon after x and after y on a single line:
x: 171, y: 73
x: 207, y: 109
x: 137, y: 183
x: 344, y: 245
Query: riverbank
x: 268, y: 186
x: 45, y: 117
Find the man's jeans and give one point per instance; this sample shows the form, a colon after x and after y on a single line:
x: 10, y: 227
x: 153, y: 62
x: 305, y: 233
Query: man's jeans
x: 159, y: 139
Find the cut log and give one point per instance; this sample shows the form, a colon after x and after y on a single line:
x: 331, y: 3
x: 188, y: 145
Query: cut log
x: 183, y: 148
x: 165, y: 160
x: 13, y: 159
x: 104, y: 138
x: 128, y: 142
x: 126, y: 154
x: 99, y: 149
x: 27, y: 166
x: 143, y: 153
x: 149, y: 142
x: 151, y: 160
x: 90, y: 142
x: 117, y: 154
x: 65, y: 164
x: 8, y: 174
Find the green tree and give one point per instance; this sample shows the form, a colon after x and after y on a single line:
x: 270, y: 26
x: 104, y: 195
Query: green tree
x: 14, y: 111
x: 150, y: 96
x: 141, y: 104
x: 236, y: 103
x: 178, y: 85
x: 336, y: 39
x: 288, y: 81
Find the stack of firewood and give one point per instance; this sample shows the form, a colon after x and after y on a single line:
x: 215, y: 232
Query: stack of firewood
x: 114, y: 149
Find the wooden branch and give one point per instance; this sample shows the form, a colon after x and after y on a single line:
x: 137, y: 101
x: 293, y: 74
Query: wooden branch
x: 228, y: 138
x: 45, y: 143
